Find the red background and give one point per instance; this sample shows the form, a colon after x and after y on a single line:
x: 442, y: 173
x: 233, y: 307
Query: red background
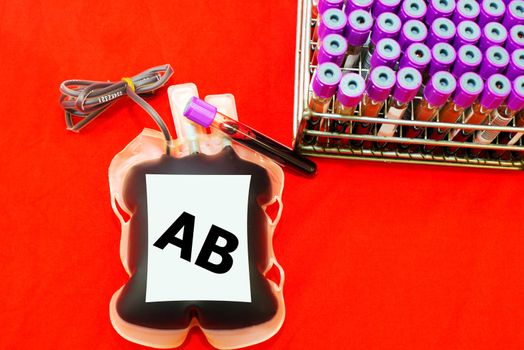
x: 377, y: 256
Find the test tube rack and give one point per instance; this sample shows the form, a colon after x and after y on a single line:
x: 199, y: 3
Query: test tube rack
x: 344, y: 150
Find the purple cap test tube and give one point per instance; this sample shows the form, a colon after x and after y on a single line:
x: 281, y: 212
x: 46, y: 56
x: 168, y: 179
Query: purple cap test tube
x: 333, y: 49
x: 468, y: 59
x: 417, y: 56
x: 387, y: 25
x: 491, y: 11
x: 358, y: 27
x: 408, y: 83
x: 333, y: 21
x: 439, y: 8
x: 353, y: 5
x: 515, y: 38
x: 442, y: 30
x: 324, y: 5
x: 493, y: 33
x: 413, y: 31
x: 466, y: 10
x: 326, y: 79
x: 496, y: 89
x: 515, y: 99
x: 386, y: 53
x: 382, y: 6
x: 468, y: 33
x: 351, y: 89
x: 443, y: 55
x: 380, y: 83
x: 516, y: 64
x: 412, y: 9
x: 495, y: 60
x: 439, y: 88
x: 514, y: 14
x: 469, y: 87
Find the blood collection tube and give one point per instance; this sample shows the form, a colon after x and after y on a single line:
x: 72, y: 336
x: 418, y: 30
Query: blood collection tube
x: 417, y: 56
x: 514, y: 14
x: 436, y: 93
x: 412, y: 9
x: 207, y: 115
x: 333, y: 49
x: 468, y: 59
x: 378, y: 87
x: 387, y: 53
x: 509, y: 138
x: 443, y: 55
x: 468, y: 33
x: 495, y: 61
x: 383, y: 6
x: 352, y: 5
x: 516, y: 64
x: 442, y: 30
x: 408, y: 83
x: 322, y: 7
x: 466, y: 10
x: 496, y: 89
x: 324, y: 85
x: 387, y: 25
x: 503, y: 115
x: 413, y: 31
x: 515, y: 38
x: 491, y: 11
x: 493, y: 33
x: 439, y: 8
x: 519, y: 123
x: 357, y: 32
x: 349, y: 95
x: 333, y: 22
x: 468, y: 89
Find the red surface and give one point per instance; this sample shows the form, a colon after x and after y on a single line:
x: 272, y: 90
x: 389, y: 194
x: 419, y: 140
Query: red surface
x: 377, y: 256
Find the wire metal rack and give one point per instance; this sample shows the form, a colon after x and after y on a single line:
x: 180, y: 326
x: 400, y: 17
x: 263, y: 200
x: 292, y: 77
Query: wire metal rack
x: 398, y: 148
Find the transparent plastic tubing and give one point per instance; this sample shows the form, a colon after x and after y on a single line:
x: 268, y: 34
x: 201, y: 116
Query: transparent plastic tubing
x: 207, y: 115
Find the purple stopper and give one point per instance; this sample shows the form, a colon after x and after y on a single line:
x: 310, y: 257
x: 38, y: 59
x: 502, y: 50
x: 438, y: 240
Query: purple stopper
x: 333, y: 49
x: 333, y: 21
x: 467, y: 10
x: 468, y: 33
x: 496, y: 89
x: 408, y: 82
x: 358, y: 27
x: 491, y: 11
x: 324, y: 5
x: 380, y: 82
x: 439, y: 88
x: 351, y: 89
x: 413, y: 31
x: 496, y: 59
x: 353, y: 5
x: 469, y: 87
x: 439, y: 8
x: 200, y: 112
x: 387, y: 25
x: 382, y: 6
x: 515, y: 38
x: 443, y: 55
x: 515, y: 100
x: 326, y: 79
x: 493, y: 33
x: 442, y: 31
x: 516, y: 64
x: 412, y: 9
x: 514, y: 14
x: 417, y: 56
x: 386, y: 53
x: 469, y: 58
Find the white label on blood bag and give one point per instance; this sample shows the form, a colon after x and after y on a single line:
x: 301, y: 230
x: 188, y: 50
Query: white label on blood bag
x: 389, y: 129
x: 197, y: 238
